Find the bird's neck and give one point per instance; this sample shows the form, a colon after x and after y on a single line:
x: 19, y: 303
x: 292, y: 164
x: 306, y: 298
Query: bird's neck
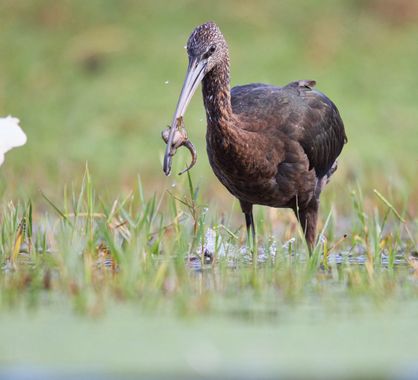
x: 217, y: 95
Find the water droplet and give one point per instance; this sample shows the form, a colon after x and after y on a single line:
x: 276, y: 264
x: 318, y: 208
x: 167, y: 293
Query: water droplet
x: 289, y: 243
x: 322, y: 238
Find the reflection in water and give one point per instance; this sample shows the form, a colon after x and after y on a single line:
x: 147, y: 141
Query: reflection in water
x: 215, y: 248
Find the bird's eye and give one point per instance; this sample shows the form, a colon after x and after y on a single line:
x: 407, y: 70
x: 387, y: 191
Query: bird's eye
x: 209, y: 52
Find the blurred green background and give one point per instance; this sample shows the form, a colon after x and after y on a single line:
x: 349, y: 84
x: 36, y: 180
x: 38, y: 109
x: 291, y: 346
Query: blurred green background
x: 96, y: 81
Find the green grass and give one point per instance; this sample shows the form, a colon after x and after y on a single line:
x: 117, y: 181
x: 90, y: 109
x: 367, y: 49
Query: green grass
x: 106, y: 272
x: 138, y: 263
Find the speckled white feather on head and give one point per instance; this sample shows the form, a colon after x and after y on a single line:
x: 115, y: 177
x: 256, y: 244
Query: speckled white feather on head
x: 11, y: 135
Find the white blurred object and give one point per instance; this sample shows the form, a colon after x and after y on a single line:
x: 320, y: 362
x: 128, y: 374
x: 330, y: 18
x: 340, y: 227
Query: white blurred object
x: 11, y: 135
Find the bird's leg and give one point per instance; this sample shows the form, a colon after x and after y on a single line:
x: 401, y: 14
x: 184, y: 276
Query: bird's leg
x: 247, y: 209
x: 308, y: 217
x: 249, y: 221
x: 251, y: 240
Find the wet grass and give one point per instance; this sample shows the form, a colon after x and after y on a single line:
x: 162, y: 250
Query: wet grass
x: 155, y: 251
x: 170, y: 262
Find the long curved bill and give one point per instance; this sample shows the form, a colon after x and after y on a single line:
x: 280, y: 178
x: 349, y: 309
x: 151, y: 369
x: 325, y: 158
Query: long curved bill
x: 194, y: 75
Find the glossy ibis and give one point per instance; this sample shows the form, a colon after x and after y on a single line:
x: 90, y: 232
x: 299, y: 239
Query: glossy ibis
x: 268, y: 145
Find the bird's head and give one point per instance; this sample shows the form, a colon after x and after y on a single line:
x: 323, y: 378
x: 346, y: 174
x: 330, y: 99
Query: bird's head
x: 206, y: 48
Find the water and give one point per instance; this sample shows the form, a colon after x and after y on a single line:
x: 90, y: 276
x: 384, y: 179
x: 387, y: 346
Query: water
x: 215, y: 248
x: 356, y: 255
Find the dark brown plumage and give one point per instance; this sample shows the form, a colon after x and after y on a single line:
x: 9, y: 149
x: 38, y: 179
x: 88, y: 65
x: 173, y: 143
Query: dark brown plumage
x: 273, y: 146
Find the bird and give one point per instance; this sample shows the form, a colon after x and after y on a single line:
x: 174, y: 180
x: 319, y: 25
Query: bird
x: 268, y: 145
x: 11, y: 135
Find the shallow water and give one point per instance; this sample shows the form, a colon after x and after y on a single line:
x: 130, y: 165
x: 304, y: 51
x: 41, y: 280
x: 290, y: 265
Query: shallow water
x: 356, y: 255
x: 307, y: 341
x: 238, y: 338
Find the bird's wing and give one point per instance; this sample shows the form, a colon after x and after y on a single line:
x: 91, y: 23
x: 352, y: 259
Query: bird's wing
x: 299, y: 113
x: 322, y: 133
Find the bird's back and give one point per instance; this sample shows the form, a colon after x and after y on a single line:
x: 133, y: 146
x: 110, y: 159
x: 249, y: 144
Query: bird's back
x: 295, y: 112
